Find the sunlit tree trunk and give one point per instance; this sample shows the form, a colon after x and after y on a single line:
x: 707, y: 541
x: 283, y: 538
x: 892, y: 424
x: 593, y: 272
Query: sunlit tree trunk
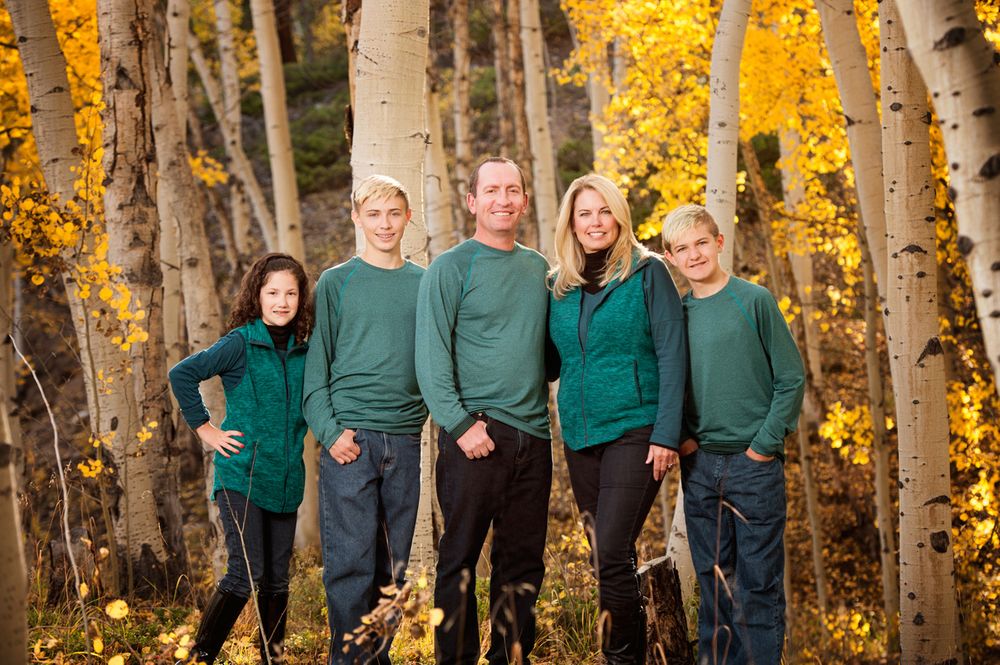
x: 957, y: 63
x: 527, y: 230
x: 279, y: 138
x: 928, y: 629
x: 544, y: 197
x: 857, y: 97
x: 148, y: 517
x: 462, y: 114
x: 13, y: 569
x: 501, y: 74
x: 389, y: 95
x: 239, y: 203
x: 439, y: 196
x: 724, y: 121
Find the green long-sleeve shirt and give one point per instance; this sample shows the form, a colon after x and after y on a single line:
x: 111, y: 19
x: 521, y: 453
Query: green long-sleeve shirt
x: 481, y: 320
x: 359, y: 371
x: 746, y: 380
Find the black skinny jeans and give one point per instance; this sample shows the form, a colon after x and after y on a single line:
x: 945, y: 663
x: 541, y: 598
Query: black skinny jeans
x: 510, y: 489
x: 614, y: 488
x: 260, y: 537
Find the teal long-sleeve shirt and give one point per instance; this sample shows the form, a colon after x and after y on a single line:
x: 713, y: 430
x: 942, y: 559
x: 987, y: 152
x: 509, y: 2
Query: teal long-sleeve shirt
x: 746, y: 379
x: 481, y: 337
x: 359, y: 370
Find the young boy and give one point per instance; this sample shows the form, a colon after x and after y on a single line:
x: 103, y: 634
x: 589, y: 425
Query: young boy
x: 361, y: 400
x: 745, y: 388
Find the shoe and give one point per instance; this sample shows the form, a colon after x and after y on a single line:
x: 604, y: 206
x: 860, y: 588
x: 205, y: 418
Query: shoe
x: 625, y: 643
x: 273, y: 616
x: 216, y: 621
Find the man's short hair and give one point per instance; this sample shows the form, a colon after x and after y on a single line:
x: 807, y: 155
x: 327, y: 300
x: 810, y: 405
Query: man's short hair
x: 684, y: 218
x: 378, y: 188
x: 474, y: 176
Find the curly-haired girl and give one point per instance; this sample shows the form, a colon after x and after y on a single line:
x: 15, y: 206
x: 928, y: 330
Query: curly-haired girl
x: 259, y: 473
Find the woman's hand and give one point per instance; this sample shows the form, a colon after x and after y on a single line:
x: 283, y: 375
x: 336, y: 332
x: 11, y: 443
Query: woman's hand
x: 219, y: 441
x: 662, y: 459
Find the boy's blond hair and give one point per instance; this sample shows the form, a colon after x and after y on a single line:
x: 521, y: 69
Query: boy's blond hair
x: 684, y: 218
x: 378, y: 188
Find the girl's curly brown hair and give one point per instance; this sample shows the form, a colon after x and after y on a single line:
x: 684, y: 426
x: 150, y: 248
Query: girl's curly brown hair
x: 247, y: 306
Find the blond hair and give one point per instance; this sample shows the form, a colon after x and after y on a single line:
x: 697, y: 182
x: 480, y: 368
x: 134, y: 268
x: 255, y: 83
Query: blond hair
x: 683, y: 219
x: 378, y: 188
x: 570, y: 261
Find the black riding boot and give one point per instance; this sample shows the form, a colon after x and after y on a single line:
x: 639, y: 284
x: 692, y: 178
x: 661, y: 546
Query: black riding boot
x: 216, y: 621
x: 273, y: 616
x: 625, y: 643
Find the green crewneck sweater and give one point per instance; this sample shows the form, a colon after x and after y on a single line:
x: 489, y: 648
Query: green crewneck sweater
x: 481, y: 320
x: 746, y: 379
x: 359, y: 370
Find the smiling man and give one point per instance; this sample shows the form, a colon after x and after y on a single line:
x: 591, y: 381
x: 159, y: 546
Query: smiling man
x: 362, y: 401
x: 481, y: 339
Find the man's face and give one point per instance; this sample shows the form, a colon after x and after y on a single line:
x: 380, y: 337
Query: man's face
x: 499, y: 199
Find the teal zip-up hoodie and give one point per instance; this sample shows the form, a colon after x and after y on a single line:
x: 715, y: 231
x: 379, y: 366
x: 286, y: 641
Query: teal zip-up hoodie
x: 630, y: 369
x: 263, y: 401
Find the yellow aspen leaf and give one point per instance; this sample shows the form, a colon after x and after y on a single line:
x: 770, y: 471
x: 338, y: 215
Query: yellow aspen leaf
x: 180, y: 653
x: 105, y: 293
x: 117, y: 659
x: 98, y: 645
x: 436, y: 616
x: 117, y: 609
x: 37, y: 279
x: 84, y: 589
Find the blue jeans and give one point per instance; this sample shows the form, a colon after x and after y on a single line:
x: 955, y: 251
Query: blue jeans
x: 509, y: 488
x: 367, y: 512
x: 746, y: 541
x: 256, y: 539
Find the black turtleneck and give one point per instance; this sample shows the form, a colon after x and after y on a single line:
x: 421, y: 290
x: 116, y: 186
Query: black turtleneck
x: 593, y: 269
x: 280, y: 336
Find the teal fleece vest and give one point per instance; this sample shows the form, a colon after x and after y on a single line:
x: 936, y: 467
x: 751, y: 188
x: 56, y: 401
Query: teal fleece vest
x: 266, y: 406
x: 611, y: 386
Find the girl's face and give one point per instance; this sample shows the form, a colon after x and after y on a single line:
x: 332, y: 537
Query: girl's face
x: 279, y: 298
x: 593, y: 224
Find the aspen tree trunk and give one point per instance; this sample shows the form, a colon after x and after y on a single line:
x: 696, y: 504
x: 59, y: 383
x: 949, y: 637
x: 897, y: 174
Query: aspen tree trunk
x: 957, y: 63
x: 724, y: 121
x: 350, y: 16
x: 279, y: 139
x: 14, y: 578
x: 501, y: 72
x: 390, y: 84
x: 928, y: 630
x: 462, y: 113
x: 148, y: 516
x: 857, y: 97
x: 238, y: 161
x: 528, y: 228
x: 766, y: 204
x: 545, y: 197
x: 438, y: 194
x: 239, y: 202
x: 183, y: 211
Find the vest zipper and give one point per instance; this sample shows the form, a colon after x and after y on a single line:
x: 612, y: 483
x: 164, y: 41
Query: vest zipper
x: 284, y: 372
x: 635, y: 374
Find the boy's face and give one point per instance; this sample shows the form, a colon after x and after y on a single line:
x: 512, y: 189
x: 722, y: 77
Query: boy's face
x: 696, y: 254
x: 382, y: 221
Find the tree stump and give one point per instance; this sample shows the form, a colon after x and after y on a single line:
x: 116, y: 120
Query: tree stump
x: 666, y: 624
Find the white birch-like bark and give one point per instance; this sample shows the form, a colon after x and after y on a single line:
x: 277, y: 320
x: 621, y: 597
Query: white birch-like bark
x: 857, y: 97
x: 928, y: 629
x: 390, y: 81
x: 438, y: 194
x: 462, y: 114
x: 148, y: 516
x: 545, y: 198
x: 501, y: 72
x: 238, y: 160
x: 279, y: 139
x: 957, y: 63
x: 239, y: 202
x: 724, y: 121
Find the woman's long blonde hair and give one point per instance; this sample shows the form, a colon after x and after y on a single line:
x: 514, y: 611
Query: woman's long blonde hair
x: 568, y: 269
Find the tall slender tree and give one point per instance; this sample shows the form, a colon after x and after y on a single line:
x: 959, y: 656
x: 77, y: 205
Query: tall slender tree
x: 462, y: 114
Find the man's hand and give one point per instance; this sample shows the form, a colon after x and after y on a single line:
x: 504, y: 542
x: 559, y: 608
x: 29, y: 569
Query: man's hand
x: 476, y: 443
x: 344, y: 449
x: 219, y: 441
x: 757, y: 457
x: 662, y: 459
x: 688, y: 447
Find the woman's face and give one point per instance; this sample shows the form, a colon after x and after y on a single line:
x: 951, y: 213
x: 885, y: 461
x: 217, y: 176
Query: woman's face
x: 593, y: 224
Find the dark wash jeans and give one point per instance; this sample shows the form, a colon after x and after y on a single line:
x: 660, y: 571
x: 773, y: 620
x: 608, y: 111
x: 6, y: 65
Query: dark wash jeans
x: 614, y: 490
x: 367, y: 512
x: 265, y: 537
x: 510, y: 489
x: 749, y: 549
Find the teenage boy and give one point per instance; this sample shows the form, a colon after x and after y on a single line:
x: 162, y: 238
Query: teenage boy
x: 745, y: 388
x: 481, y: 331
x: 362, y: 401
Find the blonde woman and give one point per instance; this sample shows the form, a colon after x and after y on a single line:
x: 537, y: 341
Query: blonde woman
x: 616, y: 320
